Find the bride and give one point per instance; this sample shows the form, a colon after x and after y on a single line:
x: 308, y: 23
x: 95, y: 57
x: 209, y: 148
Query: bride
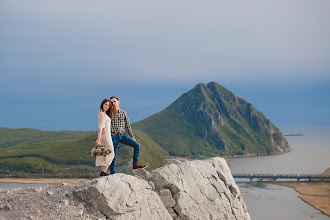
x: 104, y: 136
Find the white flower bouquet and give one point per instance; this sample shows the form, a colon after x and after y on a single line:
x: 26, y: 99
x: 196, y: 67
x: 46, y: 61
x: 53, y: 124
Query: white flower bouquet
x: 99, y: 150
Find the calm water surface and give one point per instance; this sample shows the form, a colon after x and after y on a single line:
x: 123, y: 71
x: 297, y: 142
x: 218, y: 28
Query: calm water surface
x: 20, y: 185
x: 310, y: 155
x: 274, y: 202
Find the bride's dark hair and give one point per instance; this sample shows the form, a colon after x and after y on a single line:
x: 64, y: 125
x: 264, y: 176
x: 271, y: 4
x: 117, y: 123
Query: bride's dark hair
x: 109, y: 112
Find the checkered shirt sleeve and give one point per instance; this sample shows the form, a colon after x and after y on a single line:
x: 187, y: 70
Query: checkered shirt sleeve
x: 120, y: 123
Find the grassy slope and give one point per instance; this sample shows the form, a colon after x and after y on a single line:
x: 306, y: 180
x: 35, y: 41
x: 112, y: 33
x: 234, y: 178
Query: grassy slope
x: 51, y: 150
x: 209, y: 120
x: 178, y: 137
x: 13, y: 137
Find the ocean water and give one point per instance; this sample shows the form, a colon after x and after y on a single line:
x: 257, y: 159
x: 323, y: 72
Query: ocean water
x: 310, y: 155
x: 20, y: 185
x: 274, y: 202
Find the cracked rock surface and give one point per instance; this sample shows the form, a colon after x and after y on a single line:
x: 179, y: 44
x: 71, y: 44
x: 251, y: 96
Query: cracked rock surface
x: 123, y: 197
x: 199, y: 189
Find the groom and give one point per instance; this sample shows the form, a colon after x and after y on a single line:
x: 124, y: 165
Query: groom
x: 119, y: 125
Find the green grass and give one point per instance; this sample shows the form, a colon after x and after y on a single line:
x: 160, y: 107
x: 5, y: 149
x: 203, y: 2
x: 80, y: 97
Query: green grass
x: 22, y: 149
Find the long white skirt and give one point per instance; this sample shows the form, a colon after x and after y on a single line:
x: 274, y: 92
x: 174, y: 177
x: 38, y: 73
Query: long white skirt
x: 106, y: 160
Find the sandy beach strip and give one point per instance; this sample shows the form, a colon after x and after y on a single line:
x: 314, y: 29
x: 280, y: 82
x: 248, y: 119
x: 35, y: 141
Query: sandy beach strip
x: 316, y: 194
x: 39, y: 180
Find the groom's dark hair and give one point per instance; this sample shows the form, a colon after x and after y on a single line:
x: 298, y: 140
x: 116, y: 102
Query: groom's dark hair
x: 114, y: 97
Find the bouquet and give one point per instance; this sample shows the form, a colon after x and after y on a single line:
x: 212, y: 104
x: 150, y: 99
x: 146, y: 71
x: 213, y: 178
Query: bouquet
x: 99, y: 150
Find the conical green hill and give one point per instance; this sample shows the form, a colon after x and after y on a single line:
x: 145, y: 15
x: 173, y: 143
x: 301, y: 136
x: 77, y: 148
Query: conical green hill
x: 209, y: 120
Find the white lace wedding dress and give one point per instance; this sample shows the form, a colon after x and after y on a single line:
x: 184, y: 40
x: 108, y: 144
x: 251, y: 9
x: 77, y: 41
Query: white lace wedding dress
x: 106, y: 141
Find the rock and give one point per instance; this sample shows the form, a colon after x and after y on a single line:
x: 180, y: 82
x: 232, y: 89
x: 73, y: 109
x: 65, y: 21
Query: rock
x: 199, y: 189
x: 66, y: 202
x: 168, y: 201
x: 38, y: 189
x: 202, y: 189
x: 123, y: 196
x: 166, y: 197
x: 81, y: 206
x: 5, y: 207
x: 152, y: 185
x: 37, y: 212
x: 141, y: 173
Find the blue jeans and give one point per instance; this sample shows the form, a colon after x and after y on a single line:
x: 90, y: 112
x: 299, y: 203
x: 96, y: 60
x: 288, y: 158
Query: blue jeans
x: 123, y: 138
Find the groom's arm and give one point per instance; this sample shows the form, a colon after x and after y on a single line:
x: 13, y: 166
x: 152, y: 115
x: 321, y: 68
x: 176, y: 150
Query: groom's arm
x: 128, y: 126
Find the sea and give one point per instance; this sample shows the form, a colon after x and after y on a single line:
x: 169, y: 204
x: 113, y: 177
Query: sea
x: 20, y: 185
x: 310, y: 155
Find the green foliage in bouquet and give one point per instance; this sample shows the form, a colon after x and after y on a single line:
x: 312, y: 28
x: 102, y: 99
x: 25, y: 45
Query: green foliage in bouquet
x: 99, y: 150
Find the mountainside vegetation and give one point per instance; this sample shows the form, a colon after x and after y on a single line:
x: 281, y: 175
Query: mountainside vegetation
x: 62, y: 152
x: 209, y: 120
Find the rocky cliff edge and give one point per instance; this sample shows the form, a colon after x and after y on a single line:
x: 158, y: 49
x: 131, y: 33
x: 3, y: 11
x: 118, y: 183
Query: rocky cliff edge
x: 199, y: 189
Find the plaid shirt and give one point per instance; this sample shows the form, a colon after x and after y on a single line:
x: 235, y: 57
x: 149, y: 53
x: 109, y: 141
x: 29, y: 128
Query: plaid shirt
x: 120, y: 123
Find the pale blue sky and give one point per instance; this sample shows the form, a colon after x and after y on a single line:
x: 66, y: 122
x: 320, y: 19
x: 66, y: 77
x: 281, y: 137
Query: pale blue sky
x: 59, y: 59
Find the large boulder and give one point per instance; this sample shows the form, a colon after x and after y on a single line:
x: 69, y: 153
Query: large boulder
x: 124, y: 197
x: 199, y: 189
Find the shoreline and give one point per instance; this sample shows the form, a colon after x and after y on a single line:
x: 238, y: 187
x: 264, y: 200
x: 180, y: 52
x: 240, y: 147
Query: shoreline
x: 316, y: 194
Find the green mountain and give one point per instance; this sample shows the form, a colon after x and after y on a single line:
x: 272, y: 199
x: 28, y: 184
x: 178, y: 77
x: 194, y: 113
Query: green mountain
x: 209, y: 120
x: 65, y: 152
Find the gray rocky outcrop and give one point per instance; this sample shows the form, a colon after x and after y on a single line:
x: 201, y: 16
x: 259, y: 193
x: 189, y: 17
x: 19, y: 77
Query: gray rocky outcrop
x: 123, y: 197
x: 199, y: 189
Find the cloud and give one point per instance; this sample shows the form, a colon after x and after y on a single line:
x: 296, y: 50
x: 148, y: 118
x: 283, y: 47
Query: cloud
x: 166, y: 41
x: 60, y: 55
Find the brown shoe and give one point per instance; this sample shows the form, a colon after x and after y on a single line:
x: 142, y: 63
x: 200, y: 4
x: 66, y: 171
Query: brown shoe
x: 137, y: 166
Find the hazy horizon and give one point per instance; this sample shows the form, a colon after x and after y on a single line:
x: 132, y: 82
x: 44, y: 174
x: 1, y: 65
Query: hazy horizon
x: 60, y: 59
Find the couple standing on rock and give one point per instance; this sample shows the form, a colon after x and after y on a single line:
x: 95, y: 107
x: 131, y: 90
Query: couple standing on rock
x: 113, y: 125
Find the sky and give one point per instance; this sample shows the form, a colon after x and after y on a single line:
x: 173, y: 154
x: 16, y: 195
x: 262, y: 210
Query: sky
x: 60, y: 59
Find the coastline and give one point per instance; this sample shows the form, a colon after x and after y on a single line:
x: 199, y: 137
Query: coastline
x: 316, y: 194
